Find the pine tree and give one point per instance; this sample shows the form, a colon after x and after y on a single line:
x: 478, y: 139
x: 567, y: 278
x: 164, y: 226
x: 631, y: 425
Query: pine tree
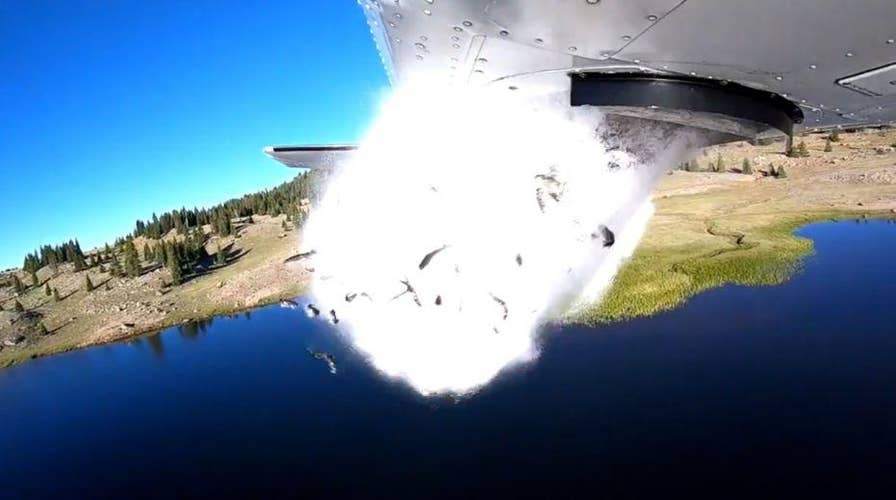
x: 17, y: 307
x: 115, y: 265
x: 746, y: 168
x: 78, y: 260
x: 219, y: 255
x: 131, y: 259
x: 781, y: 174
x: 284, y: 226
x: 161, y: 253
x: 47, y: 290
x: 34, y: 281
x: 720, y: 164
x: 42, y: 328
x: 56, y: 296
x: 147, y: 252
x: 800, y: 151
x: 17, y: 284
x: 827, y: 145
x: 88, y: 285
x: 174, y: 268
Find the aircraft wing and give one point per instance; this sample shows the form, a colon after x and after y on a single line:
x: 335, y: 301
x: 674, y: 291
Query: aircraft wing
x: 321, y: 156
x: 823, y: 63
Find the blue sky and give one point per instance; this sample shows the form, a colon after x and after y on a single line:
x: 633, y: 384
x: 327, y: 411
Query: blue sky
x: 111, y: 110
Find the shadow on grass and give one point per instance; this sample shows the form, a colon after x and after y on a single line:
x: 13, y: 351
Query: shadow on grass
x: 207, y: 265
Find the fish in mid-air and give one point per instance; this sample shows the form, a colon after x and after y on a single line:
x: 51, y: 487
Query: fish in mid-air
x: 325, y: 357
x: 428, y: 257
x: 312, y: 311
x: 605, y: 234
x: 289, y: 304
x: 300, y: 256
x: 409, y: 289
x: 502, y: 304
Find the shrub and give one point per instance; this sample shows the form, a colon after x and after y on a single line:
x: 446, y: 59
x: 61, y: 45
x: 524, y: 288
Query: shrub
x: 800, y: 151
x: 827, y: 146
x: 720, y: 164
x: 835, y: 136
x: 746, y: 168
x: 219, y: 256
x: 42, y: 328
x: 56, y: 296
x: 781, y: 173
x: 771, y: 170
x: 18, y: 307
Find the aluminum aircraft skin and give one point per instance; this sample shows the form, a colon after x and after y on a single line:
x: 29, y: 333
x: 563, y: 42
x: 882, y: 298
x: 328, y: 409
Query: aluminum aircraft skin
x: 833, y: 61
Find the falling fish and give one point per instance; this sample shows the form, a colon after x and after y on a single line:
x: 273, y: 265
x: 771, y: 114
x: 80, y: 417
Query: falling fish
x: 605, y: 234
x: 289, y: 304
x: 539, y: 198
x: 350, y: 297
x: 547, y: 177
x: 300, y: 256
x: 428, y: 257
x: 312, y: 311
x: 409, y: 289
x: 519, y: 260
x: 438, y: 300
x: 333, y: 318
x: 502, y: 304
x: 326, y: 357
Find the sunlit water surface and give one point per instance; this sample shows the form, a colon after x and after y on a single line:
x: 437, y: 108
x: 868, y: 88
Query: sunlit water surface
x: 773, y: 389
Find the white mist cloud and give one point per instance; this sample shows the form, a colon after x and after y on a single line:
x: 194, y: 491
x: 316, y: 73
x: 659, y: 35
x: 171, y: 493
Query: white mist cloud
x: 515, y: 191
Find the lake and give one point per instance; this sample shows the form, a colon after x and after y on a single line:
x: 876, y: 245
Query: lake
x: 767, y: 390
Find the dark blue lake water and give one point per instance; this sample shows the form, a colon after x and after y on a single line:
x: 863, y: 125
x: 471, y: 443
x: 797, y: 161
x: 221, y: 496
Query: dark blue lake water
x: 787, y: 389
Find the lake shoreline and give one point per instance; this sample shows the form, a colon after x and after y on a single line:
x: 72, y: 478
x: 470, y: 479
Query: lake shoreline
x: 748, y: 263
x: 149, y: 330
x: 711, y: 227
x: 796, y: 260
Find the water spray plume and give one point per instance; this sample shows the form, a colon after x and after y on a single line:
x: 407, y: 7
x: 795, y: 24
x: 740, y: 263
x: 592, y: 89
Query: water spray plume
x: 469, y: 217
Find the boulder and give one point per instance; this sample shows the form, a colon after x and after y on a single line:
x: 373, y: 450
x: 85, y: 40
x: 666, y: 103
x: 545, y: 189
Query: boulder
x: 14, y: 340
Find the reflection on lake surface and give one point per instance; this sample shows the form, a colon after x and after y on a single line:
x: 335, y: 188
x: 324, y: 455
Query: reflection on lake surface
x: 773, y: 389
